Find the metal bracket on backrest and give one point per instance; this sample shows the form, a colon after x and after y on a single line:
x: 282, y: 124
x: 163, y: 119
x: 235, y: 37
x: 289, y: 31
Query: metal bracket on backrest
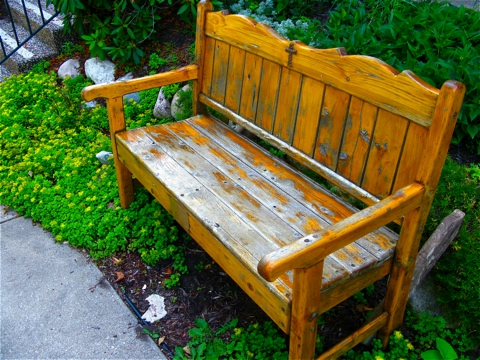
x: 290, y: 51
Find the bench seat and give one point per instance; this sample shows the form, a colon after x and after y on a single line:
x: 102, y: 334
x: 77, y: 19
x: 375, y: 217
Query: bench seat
x: 214, y: 180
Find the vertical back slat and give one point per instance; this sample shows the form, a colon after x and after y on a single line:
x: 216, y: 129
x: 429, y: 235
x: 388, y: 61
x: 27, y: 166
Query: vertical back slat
x: 356, y: 139
x: 267, y: 100
x: 284, y: 124
x: 236, y: 64
x: 411, y: 157
x: 387, y: 144
x: 332, y: 122
x: 308, y: 115
x: 208, y: 65
x: 251, y: 82
x: 200, y: 41
x: 220, y: 71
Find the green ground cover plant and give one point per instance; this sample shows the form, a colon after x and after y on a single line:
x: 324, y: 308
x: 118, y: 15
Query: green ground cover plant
x: 265, y: 341
x: 258, y: 341
x: 49, y: 172
x: 435, y: 40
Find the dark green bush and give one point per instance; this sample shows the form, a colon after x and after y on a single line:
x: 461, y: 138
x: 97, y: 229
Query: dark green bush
x: 435, y: 40
x: 118, y: 28
x: 112, y: 27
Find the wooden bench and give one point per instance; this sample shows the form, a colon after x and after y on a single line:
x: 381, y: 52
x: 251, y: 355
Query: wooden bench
x: 294, y: 247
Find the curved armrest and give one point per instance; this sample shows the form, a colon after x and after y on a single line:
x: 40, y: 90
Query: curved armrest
x: 118, y: 89
x: 311, y: 249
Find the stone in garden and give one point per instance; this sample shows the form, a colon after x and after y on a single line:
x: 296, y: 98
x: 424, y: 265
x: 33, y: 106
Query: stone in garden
x: 135, y: 97
x: 100, y: 71
x: 129, y: 97
x: 104, y: 157
x: 90, y: 104
x: 126, y: 77
x: 176, y: 105
x: 69, y: 69
x: 162, y: 106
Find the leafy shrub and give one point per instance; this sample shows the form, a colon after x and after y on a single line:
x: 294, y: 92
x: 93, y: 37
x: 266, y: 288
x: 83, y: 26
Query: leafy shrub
x: 112, y: 27
x: 188, y: 11
x: 444, y: 351
x: 434, y: 39
x: 277, y: 9
x: 49, y: 172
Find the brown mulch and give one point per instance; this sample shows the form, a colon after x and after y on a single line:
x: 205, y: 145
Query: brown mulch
x: 208, y: 292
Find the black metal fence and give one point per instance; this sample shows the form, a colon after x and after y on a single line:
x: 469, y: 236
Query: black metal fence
x: 11, y: 44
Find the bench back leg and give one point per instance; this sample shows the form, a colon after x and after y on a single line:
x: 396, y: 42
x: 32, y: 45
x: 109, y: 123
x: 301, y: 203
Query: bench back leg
x: 305, y: 305
x: 116, y: 121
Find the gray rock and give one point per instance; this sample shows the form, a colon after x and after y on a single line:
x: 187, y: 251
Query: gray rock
x: 162, y: 109
x: 135, y: 97
x: 69, y: 69
x: 126, y: 77
x: 90, y: 104
x: 100, y: 71
x: 104, y: 157
x: 176, y: 105
x: 424, y: 299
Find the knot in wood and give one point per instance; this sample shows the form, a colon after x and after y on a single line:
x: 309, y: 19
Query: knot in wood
x: 290, y: 51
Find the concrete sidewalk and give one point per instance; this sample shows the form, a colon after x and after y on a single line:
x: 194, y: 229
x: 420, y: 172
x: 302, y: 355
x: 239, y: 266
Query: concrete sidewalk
x: 47, y: 308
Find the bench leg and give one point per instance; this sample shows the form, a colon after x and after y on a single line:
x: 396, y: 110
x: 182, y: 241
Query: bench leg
x: 116, y: 121
x: 305, y: 304
x: 125, y: 184
x: 401, y: 274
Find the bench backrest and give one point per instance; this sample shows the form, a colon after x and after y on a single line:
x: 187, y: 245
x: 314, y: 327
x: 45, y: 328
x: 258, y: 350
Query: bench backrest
x: 353, y: 119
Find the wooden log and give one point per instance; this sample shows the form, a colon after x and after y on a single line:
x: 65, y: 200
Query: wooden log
x: 436, y: 246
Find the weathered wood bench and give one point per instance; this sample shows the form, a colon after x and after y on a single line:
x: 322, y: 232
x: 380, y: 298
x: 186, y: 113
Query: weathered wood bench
x: 295, y: 248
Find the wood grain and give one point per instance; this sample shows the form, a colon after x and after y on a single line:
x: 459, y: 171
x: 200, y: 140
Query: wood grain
x: 287, y: 106
x: 220, y: 71
x: 233, y: 91
x: 209, y: 57
x: 387, y: 145
x: 332, y: 123
x: 308, y: 116
x: 251, y: 84
x: 268, y: 95
x: 357, y: 140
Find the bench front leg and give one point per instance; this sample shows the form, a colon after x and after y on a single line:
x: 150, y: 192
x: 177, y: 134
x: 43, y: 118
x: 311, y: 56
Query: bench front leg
x: 116, y: 120
x: 305, y: 304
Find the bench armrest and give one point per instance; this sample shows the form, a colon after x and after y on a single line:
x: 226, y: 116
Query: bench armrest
x: 118, y: 89
x: 311, y: 249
